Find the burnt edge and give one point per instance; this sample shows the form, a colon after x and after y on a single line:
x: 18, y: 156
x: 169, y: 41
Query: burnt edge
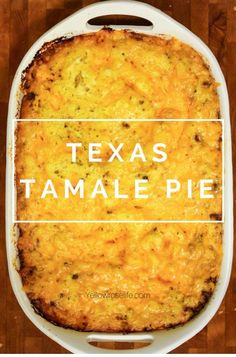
x: 40, y: 307
x: 46, y: 47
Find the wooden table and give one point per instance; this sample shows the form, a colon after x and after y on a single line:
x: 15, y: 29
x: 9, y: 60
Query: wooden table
x: 21, y: 23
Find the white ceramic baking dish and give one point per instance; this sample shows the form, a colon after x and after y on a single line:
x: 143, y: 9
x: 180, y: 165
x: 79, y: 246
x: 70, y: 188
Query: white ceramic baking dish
x: 161, y: 341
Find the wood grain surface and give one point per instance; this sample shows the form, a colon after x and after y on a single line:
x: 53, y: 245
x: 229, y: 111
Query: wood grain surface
x: 21, y: 23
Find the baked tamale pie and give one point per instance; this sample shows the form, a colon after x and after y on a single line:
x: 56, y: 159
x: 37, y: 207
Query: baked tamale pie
x: 118, y: 277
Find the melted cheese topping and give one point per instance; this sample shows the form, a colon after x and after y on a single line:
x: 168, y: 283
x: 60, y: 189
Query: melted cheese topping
x: 119, y: 75
x: 168, y: 270
x: 118, y: 277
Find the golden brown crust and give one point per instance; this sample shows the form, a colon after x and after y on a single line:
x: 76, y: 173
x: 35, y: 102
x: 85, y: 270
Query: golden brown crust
x: 49, y: 285
x: 192, y: 94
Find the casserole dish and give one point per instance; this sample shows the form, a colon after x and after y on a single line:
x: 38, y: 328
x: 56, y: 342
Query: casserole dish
x: 161, y: 341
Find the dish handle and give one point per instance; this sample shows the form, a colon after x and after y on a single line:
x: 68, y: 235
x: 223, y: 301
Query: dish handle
x: 86, y: 346
x: 128, y: 8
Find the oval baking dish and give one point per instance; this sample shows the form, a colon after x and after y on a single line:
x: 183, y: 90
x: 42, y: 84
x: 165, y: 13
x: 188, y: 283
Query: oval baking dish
x: 160, y: 341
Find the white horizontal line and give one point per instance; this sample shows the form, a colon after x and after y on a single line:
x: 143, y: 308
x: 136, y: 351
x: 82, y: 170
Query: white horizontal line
x: 118, y: 120
x: 166, y: 221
